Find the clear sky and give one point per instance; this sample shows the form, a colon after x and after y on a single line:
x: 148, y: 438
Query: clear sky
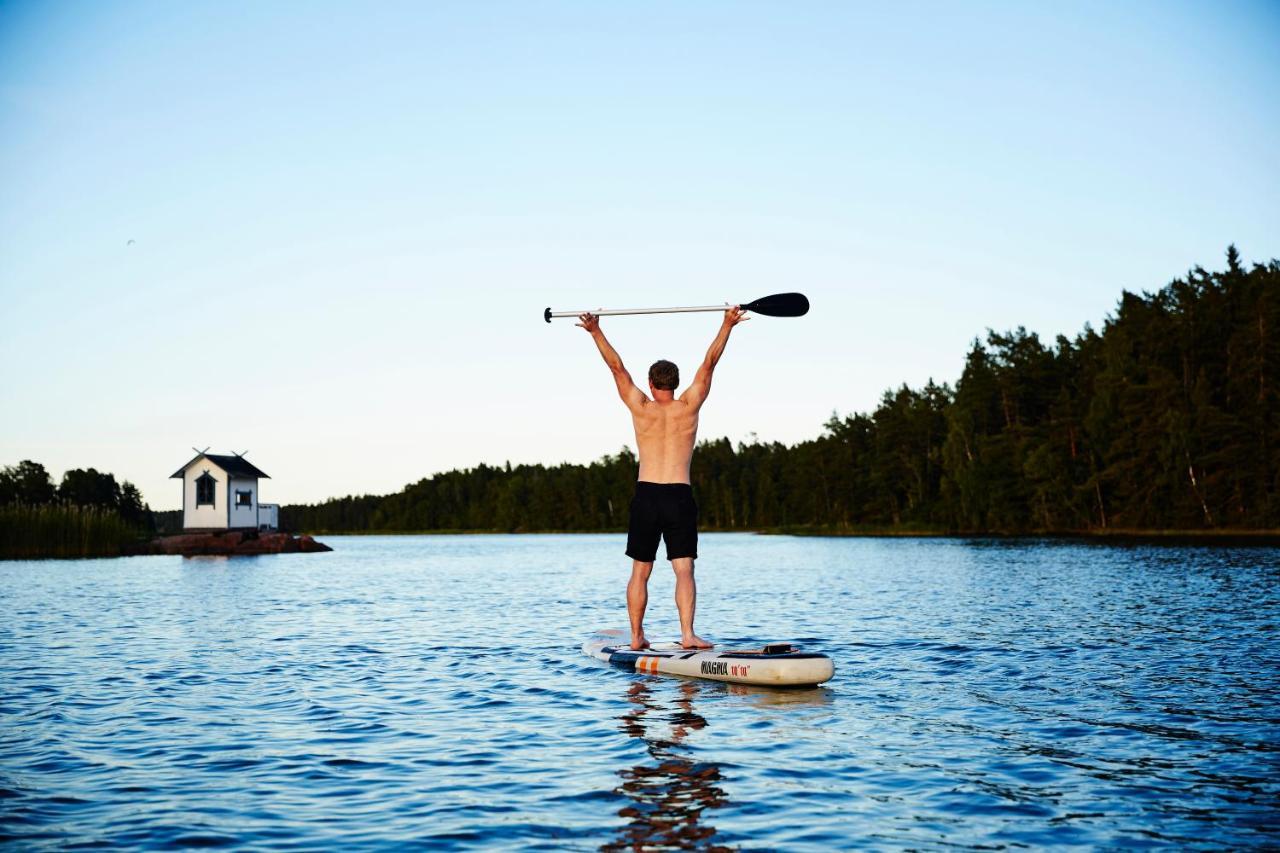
x: 325, y: 233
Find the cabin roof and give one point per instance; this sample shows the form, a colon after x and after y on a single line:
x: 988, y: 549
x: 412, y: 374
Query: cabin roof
x: 236, y: 466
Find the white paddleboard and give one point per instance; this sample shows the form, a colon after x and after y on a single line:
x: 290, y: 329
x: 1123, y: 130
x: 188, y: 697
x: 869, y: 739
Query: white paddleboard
x: 777, y: 664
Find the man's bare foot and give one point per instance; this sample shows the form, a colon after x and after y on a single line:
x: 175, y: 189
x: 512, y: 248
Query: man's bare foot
x: 638, y: 643
x: 693, y: 641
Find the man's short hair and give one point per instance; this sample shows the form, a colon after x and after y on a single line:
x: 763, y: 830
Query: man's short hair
x: 664, y: 375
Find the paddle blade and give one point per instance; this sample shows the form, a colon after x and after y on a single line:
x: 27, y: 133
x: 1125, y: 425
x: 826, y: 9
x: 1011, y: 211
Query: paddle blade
x: 779, y: 305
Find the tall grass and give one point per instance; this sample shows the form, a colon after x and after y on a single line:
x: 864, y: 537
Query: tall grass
x: 62, y: 530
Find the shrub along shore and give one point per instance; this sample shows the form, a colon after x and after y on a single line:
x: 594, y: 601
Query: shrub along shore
x: 64, y: 530
x: 87, y: 514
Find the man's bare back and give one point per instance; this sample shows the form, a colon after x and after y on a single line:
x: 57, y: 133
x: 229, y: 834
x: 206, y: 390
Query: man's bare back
x: 666, y: 431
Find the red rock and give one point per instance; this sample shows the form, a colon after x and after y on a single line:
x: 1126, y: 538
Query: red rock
x: 235, y: 543
x: 310, y: 546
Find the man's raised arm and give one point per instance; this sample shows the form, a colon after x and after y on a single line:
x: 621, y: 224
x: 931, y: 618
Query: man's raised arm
x: 697, y: 391
x: 627, y: 390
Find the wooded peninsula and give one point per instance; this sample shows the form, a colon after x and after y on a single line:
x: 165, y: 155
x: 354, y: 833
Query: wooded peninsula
x: 1166, y: 419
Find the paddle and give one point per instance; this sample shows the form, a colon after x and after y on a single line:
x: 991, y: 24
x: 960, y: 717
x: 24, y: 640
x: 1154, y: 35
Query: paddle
x: 777, y: 305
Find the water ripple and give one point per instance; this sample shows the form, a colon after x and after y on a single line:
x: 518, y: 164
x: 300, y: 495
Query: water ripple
x: 429, y: 691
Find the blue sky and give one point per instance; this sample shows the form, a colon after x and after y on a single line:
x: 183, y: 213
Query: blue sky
x: 347, y: 218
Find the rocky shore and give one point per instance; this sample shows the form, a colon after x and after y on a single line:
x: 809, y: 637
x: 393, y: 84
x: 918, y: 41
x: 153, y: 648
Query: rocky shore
x: 234, y: 543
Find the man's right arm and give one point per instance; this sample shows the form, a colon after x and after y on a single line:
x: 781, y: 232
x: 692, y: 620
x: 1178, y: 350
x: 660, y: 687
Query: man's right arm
x: 697, y: 391
x: 627, y: 390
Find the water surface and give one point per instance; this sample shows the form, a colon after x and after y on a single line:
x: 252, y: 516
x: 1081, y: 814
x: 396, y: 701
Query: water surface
x: 430, y: 691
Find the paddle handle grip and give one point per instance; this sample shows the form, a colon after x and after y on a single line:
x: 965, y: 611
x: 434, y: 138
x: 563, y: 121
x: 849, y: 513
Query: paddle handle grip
x: 615, y: 312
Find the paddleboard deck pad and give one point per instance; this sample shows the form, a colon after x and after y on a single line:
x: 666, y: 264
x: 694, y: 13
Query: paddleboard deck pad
x: 776, y: 664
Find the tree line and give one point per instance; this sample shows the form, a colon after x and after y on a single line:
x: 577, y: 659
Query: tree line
x: 1166, y: 418
x: 29, y: 483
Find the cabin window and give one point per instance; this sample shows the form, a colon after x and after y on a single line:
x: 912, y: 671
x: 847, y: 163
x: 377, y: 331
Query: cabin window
x: 244, y: 498
x: 204, y: 489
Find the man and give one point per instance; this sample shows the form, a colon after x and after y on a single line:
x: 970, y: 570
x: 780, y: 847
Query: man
x: 663, y: 505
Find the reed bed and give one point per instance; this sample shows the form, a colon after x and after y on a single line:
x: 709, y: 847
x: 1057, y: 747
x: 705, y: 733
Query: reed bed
x: 62, y: 530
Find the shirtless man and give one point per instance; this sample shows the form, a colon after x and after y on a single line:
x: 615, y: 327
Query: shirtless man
x: 663, y: 506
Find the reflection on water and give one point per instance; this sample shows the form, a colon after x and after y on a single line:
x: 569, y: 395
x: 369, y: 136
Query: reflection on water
x: 672, y: 795
x: 794, y: 696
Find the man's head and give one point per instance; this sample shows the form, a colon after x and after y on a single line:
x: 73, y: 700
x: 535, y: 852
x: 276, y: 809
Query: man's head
x: 664, y: 376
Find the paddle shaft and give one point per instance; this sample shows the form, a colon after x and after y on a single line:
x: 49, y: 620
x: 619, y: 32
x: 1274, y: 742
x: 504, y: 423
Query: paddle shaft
x: 615, y: 312
x: 777, y: 305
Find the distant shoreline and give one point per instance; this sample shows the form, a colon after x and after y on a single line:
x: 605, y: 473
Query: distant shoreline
x: 1117, y: 536
x: 1222, y: 538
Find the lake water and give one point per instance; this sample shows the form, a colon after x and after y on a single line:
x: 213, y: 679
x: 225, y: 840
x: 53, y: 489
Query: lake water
x: 431, y: 691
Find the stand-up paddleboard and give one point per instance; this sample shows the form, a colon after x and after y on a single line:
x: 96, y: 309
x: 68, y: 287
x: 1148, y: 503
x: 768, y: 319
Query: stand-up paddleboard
x: 777, y: 664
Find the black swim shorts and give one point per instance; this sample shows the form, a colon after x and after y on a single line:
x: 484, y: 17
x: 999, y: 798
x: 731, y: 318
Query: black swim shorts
x: 665, y: 510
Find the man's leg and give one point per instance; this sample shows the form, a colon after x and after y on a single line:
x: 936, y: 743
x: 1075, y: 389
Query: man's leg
x: 686, y: 602
x: 637, y: 601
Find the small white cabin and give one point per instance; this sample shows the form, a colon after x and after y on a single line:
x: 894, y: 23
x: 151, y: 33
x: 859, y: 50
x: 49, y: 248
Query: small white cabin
x: 221, y: 493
